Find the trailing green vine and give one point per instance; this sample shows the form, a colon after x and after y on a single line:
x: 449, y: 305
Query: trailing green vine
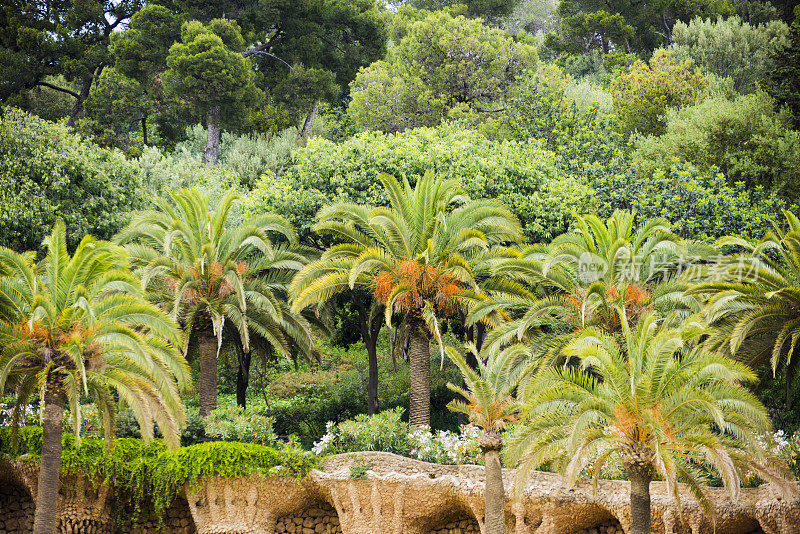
x: 147, y: 476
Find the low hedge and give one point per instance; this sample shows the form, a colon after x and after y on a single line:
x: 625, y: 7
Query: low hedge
x: 147, y: 474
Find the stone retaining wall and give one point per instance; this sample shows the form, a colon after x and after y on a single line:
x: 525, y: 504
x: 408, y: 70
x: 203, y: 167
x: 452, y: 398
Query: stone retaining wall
x: 16, y: 509
x: 403, y: 496
x: 320, y: 520
x: 178, y: 520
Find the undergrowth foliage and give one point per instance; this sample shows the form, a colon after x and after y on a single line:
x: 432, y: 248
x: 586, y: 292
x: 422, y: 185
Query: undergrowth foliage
x: 147, y: 476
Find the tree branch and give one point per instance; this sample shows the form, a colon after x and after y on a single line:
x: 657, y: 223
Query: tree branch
x: 57, y: 88
x: 251, y: 52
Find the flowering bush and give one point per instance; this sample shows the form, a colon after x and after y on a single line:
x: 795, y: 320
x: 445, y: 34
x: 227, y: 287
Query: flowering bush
x: 386, y: 432
x: 234, y: 423
x: 28, y: 415
x: 787, y: 448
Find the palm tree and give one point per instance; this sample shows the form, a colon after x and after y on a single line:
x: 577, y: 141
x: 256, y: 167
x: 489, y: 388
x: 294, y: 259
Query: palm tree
x: 80, y: 325
x: 490, y: 404
x: 218, y: 280
x: 549, y: 293
x: 414, y: 255
x: 754, y: 299
x: 653, y: 402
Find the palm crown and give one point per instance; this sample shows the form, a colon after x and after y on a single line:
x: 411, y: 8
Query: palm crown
x: 551, y: 292
x: 215, y: 279
x: 653, y: 402
x: 414, y: 255
x: 80, y: 324
x: 754, y: 298
x: 487, y: 397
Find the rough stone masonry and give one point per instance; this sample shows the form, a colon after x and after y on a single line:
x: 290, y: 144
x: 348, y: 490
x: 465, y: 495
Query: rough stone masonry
x: 397, y: 496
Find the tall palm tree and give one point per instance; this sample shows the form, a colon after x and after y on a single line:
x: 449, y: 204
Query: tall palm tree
x: 215, y: 278
x: 753, y: 299
x: 489, y: 402
x: 414, y: 255
x: 653, y: 402
x: 80, y: 325
x: 549, y: 293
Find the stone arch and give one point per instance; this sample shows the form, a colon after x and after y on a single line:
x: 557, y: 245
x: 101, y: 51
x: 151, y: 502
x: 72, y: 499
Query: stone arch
x: 458, y: 519
x: 177, y: 520
x: 16, y: 504
x: 244, y: 505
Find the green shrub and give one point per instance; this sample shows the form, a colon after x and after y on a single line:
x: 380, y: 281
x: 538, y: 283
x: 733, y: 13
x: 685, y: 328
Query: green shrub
x: 586, y: 143
x: 731, y: 47
x: 519, y: 173
x: 243, y: 158
x: 700, y: 204
x: 234, y: 423
x: 745, y: 138
x: 387, y: 432
x: 48, y: 173
x: 172, y: 470
x: 642, y: 97
x: 359, y: 468
x: 147, y: 474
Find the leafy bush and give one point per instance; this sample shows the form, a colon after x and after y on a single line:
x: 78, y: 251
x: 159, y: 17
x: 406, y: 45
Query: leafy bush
x: 700, y: 204
x: 519, y: 173
x: 784, y: 81
x: 48, y: 173
x: 234, y: 423
x: 586, y: 144
x: 194, y: 432
x: 359, y: 469
x: 787, y: 447
x: 187, y: 465
x: 731, y: 47
x: 588, y: 95
x: 28, y: 415
x: 642, y: 97
x: 147, y: 474
x: 746, y: 139
x: 386, y: 432
x: 243, y: 158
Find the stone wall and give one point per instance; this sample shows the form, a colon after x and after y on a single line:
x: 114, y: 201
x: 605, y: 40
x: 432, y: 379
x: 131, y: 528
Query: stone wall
x: 16, y: 509
x: 318, y: 520
x: 177, y: 520
x: 403, y: 496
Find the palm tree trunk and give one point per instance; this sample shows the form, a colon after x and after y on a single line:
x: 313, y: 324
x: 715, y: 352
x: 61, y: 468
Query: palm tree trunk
x: 46, y: 516
x: 494, y: 493
x: 207, y: 353
x: 419, y: 363
x: 640, y: 475
x: 243, y: 379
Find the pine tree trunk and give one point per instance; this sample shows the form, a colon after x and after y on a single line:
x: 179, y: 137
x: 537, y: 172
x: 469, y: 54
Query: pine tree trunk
x: 46, y: 516
x: 640, y: 475
x: 419, y: 363
x: 494, y: 494
x: 207, y: 353
x: 212, y: 137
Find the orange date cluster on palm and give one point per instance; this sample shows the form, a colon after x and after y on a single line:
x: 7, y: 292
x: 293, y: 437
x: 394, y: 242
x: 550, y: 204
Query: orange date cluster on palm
x: 422, y: 283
